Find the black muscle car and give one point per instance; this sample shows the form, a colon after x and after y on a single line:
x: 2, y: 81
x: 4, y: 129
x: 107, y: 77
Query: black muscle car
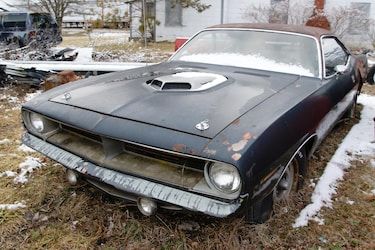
x: 225, y: 126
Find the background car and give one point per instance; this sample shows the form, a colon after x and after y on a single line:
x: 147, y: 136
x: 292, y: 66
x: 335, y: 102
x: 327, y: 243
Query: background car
x: 21, y: 28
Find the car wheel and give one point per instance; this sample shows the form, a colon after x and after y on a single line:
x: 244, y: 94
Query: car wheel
x: 349, y: 114
x: 371, y: 75
x: 291, y: 181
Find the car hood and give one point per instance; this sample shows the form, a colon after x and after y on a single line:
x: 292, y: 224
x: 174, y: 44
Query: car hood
x: 227, y: 94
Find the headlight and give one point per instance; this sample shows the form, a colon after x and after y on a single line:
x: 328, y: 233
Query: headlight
x: 37, y: 122
x: 225, y: 177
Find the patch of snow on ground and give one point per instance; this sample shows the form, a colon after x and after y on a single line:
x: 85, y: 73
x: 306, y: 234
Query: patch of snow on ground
x: 10, y: 99
x: 5, y: 141
x: 373, y: 191
x: 358, y: 143
x: 27, y: 167
x: 26, y: 149
x: 8, y: 174
x: 84, y: 55
x: 30, y: 96
x: 101, y: 37
x: 14, y: 206
x: 350, y: 202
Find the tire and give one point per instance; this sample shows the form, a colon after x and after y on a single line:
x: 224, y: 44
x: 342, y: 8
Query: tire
x: 291, y: 181
x: 349, y: 114
x: 371, y: 75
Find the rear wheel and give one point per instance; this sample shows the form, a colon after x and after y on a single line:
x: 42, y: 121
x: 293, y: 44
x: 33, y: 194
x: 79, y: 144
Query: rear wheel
x: 291, y: 180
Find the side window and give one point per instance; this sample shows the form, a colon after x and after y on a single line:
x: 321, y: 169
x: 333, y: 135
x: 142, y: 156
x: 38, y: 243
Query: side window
x: 334, y: 55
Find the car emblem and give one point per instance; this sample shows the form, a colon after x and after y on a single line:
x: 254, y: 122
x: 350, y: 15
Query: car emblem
x: 203, y: 125
x: 67, y: 96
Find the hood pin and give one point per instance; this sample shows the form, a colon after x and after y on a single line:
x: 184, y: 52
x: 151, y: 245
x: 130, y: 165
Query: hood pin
x: 67, y: 96
x: 203, y: 125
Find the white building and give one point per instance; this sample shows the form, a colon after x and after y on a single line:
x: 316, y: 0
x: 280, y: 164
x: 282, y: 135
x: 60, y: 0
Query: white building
x: 177, y: 21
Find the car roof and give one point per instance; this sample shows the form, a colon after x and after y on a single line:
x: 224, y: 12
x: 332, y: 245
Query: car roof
x: 300, y: 29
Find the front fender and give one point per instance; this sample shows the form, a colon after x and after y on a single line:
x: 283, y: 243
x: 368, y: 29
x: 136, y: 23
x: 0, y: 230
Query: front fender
x: 268, y: 183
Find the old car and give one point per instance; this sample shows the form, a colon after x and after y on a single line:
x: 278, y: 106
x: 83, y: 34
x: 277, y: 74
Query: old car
x: 225, y: 126
x: 21, y: 28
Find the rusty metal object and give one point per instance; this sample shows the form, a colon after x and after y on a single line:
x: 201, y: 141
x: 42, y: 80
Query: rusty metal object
x: 318, y: 18
x: 59, y: 79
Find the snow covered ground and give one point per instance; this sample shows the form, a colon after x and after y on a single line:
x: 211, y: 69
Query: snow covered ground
x: 14, y: 206
x: 359, y: 143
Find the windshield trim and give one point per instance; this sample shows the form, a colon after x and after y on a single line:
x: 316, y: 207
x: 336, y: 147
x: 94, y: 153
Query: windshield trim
x: 318, y: 47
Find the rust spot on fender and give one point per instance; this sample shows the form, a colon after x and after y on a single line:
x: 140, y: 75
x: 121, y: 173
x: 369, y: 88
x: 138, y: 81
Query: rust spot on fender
x: 209, y: 151
x: 236, y: 156
x: 247, y: 136
x: 238, y: 146
x: 236, y: 122
x: 181, y: 148
x: 226, y: 143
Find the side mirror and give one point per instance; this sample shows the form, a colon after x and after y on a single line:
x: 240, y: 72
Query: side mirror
x: 340, y: 69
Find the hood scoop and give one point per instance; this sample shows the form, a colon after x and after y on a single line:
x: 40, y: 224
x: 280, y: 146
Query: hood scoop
x: 186, y: 81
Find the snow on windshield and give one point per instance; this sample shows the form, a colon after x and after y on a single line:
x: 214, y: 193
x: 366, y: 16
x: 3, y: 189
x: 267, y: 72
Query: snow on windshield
x: 273, y: 51
x: 248, y: 61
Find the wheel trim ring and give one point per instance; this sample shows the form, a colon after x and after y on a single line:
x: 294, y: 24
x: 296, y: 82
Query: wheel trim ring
x: 281, y: 193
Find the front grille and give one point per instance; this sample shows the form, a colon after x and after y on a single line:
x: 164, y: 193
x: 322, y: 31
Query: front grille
x: 141, y: 161
x: 81, y: 133
x: 165, y: 156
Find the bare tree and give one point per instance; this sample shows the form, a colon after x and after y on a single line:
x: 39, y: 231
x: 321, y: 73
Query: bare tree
x: 371, y: 33
x: 282, y: 12
x: 57, y: 7
x: 346, y: 20
x: 343, y: 20
x: 195, y: 4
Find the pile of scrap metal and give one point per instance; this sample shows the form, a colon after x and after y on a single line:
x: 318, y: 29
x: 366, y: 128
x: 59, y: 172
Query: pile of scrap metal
x: 66, y: 54
x: 14, y: 74
x: 35, y: 78
x: 39, y: 54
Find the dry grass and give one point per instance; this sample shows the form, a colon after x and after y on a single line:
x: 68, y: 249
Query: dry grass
x: 103, y: 43
x: 80, y: 40
x: 59, y: 216
x: 136, y: 46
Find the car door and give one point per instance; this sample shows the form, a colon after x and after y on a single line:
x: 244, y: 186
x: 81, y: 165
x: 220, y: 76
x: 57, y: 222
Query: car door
x: 338, y: 84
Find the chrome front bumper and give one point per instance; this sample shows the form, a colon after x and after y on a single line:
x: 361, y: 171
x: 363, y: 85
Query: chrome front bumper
x: 131, y: 184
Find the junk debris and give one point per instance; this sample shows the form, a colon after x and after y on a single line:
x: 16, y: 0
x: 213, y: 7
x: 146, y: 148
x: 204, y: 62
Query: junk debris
x: 39, y: 54
x: 14, y: 74
x: 59, y: 79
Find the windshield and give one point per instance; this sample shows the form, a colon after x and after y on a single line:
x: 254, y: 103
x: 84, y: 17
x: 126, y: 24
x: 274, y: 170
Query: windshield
x: 14, y: 21
x: 273, y: 51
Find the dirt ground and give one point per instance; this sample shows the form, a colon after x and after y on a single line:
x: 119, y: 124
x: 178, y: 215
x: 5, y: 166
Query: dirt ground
x: 59, y: 216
